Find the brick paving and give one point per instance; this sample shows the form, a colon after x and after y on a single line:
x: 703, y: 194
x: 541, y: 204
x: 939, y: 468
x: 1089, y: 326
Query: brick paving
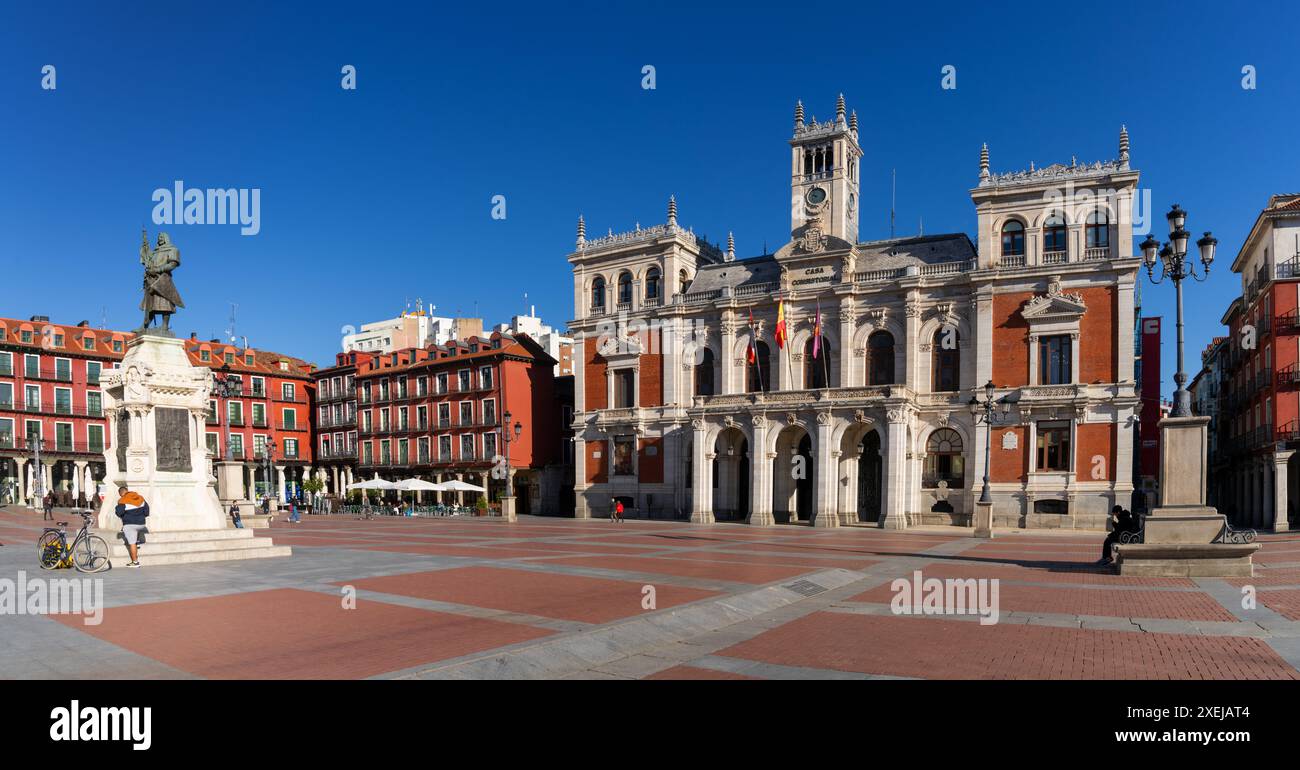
x: 557, y: 598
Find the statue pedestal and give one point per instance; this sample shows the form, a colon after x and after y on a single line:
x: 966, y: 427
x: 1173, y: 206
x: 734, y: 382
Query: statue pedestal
x: 1178, y: 537
x: 157, y: 404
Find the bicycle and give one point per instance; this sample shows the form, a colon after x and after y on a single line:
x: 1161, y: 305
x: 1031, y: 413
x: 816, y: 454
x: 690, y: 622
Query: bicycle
x: 88, y: 553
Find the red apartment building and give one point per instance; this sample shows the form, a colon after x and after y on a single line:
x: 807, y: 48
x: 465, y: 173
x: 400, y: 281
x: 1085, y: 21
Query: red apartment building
x: 49, y: 391
x: 438, y: 413
x: 270, y: 410
x: 51, y: 405
x: 1260, y: 398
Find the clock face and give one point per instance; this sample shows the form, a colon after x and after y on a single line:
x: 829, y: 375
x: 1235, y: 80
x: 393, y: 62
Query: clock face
x: 816, y: 195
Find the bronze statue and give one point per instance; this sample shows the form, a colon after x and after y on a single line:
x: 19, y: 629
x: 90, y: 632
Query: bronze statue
x: 160, y: 295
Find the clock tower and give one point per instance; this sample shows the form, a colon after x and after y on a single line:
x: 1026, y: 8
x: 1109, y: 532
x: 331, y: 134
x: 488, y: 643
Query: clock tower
x: 824, y: 176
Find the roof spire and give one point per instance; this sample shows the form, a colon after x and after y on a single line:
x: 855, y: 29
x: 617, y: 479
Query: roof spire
x: 984, y: 162
x: 1123, y: 147
x: 798, y: 115
x: 839, y: 109
x: 672, y: 210
x: 853, y: 121
x: 731, y: 246
x: 582, y: 232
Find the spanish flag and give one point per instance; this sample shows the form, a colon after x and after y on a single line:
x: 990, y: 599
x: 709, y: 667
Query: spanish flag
x: 780, y: 324
x: 817, y: 332
x: 751, y: 354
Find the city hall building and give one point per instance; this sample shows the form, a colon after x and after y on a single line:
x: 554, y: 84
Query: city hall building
x: 830, y: 381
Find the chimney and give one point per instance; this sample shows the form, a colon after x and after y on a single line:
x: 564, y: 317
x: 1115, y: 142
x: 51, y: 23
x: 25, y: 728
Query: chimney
x: 84, y: 324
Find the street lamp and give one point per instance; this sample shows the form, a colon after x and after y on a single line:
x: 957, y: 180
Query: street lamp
x: 225, y: 386
x: 1175, y: 266
x: 38, y: 443
x: 986, y: 412
x: 508, y: 497
x: 268, y: 450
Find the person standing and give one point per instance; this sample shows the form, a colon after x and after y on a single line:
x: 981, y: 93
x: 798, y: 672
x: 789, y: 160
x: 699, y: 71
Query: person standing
x: 294, y: 518
x: 133, y: 511
x: 47, y: 505
x: 618, y: 511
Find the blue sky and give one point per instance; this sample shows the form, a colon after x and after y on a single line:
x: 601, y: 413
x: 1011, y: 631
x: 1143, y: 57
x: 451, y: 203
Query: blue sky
x: 373, y: 197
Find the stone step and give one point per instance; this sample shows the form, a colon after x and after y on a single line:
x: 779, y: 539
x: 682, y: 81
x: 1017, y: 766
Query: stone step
x: 193, y: 557
x: 118, y: 548
x: 180, y: 536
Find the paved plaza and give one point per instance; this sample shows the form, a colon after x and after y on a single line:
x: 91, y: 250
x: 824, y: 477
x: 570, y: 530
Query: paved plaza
x: 557, y: 598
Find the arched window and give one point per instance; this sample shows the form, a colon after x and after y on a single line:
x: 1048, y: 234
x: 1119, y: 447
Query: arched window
x: 1054, y: 234
x: 758, y: 373
x: 945, y: 357
x: 652, y: 283
x: 880, y: 358
x: 1098, y: 229
x: 1013, y: 239
x: 704, y: 373
x: 598, y: 294
x: 943, y: 459
x: 816, y: 371
x: 624, y: 288
x: 683, y: 281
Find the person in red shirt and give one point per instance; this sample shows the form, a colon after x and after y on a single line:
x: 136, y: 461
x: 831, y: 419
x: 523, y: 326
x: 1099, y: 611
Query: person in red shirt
x: 618, y: 511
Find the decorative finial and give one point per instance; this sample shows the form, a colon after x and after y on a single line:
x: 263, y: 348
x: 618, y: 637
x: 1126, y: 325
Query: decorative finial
x: 984, y: 161
x: 582, y: 232
x: 672, y: 210
x: 853, y: 121
x: 1123, y: 146
x: 731, y: 246
x: 839, y: 109
x: 798, y: 115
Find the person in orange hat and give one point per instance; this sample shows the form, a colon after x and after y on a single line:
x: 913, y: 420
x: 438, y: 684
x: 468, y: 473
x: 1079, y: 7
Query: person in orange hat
x: 133, y: 511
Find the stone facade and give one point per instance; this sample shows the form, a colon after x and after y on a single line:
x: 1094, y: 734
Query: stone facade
x: 691, y: 403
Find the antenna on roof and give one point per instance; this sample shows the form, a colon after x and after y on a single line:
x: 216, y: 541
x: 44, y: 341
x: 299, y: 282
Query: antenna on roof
x: 103, y: 317
x: 230, y: 332
x: 893, y: 198
x: 920, y: 228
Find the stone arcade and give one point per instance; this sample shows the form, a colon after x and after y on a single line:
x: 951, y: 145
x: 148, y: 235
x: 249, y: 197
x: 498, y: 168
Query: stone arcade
x: 687, y: 403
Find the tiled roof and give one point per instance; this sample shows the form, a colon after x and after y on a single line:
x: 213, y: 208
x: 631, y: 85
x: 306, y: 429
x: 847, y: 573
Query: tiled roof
x: 44, y: 334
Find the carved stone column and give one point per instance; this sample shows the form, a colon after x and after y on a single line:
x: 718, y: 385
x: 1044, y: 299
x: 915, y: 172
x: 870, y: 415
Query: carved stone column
x: 701, y: 476
x: 895, y: 515
x: 760, y: 476
x: 827, y: 474
x: 1280, y: 490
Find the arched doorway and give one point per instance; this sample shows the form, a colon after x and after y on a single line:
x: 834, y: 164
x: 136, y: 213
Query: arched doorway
x: 792, y: 476
x: 870, y: 478
x: 731, y: 476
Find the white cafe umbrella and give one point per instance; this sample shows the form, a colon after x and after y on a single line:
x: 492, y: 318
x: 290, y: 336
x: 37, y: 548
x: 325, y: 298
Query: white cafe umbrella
x: 373, y: 484
x: 418, y: 485
x: 461, y: 486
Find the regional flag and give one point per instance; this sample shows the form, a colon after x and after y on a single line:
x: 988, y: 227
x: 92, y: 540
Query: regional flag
x: 780, y: 324
x: 817, y: 332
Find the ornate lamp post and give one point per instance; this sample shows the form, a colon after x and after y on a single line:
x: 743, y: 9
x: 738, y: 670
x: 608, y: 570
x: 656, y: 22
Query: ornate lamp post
x: 1175, y: 266
x: 986, y: 412
x: 225, y: 387
x: 38, y: 444
x: 268, y: 451
x: 508, y: 499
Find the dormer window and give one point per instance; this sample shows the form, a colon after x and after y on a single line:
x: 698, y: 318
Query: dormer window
x: 1013, y: 239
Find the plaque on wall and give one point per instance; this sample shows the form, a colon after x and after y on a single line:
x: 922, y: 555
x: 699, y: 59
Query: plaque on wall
x: 172, y: 432
x: 1010, y: 440
x: 123, y: 438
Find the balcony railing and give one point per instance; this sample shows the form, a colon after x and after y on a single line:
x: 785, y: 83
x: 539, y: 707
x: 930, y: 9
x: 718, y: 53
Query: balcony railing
x: 1101, y: 252
x: 9, y: 442
x: 1055, y: 257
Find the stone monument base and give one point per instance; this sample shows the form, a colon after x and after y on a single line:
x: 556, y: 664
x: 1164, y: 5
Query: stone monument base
x: 189, y: 547
x: 1186, y: 559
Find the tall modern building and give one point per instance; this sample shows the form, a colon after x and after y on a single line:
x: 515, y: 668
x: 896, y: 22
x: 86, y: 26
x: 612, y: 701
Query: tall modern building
x: 830, y: 381
x: 1261, y: 409
x: 412, y: 329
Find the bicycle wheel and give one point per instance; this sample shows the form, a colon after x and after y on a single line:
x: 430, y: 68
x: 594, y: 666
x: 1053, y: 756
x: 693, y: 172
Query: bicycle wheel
x: 90, y: 554
x: 49, y: 550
